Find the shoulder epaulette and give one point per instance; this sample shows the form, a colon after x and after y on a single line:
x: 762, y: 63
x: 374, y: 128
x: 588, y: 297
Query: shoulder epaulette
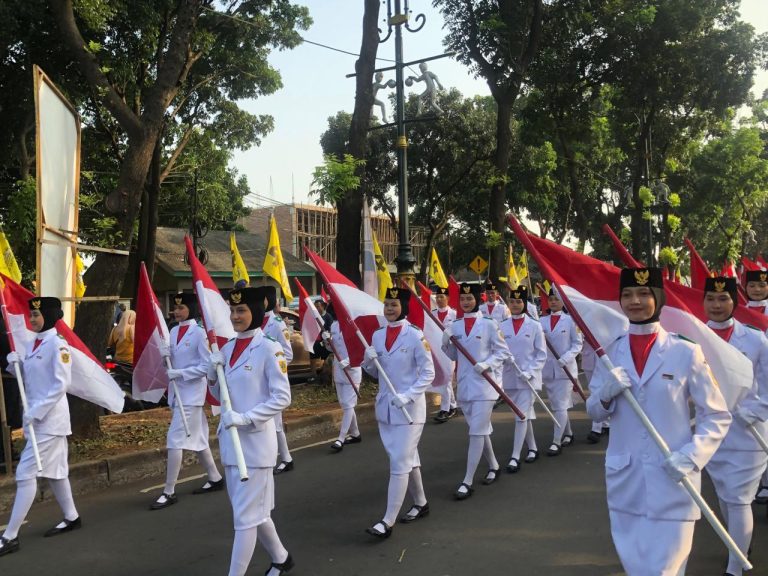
x: 269, y: 338
x: 60, y: 336
x: 685, y: 338
x: 379, y: 328
x: 752, y: 327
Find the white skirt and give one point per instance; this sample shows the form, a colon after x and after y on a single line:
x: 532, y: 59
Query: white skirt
x: 523, y: 399
x: 477, y: 413
x: 559, y: 393
x: 53, y: 456
x: 651, y: 547
x: 252, y: 501
x: 736, y: 474
x: 198, y: 430
x: 401, y: 441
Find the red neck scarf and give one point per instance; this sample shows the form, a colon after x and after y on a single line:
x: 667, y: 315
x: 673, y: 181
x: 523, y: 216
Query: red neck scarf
x: 553, y: 320
x: 182, y: 331
x: 640, y: 346
x: 240, y: 345
x: 468, y: 323
x: 517, y: 324
x: 724, y: 333
x: 441, y: 314
x: 37, y: 343
x: 392, y: 333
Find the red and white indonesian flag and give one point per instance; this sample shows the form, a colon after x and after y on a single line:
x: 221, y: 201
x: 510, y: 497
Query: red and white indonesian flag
x: 90, y: 381
x: 593, y: 289
x: 352, y: 307
x: 432, y: 333
x: 150, y: 379
x: 310, y: 328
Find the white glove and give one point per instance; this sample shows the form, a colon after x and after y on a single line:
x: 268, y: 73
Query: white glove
x: 526, y: 375
x: 217, y: 358
x: 165, y: 350
x: 481, y: 367
x: 13, y: 357
x: 678, y: 466
x: 562, y: 361
x: 325, y: 335
x: 612, y: 387
x: 231, y: 418
x: 343, y: 363
x: 370, y: 353
x: 174, y: 374
x: 446, y: 337
x: 28, y: 419
x: 400, y: 400
x: 745, y: 416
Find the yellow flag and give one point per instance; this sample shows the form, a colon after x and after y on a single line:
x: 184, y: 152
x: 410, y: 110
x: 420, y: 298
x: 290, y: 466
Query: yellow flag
x: 239, y: 271
x: 522, y: 270
x: 382, y: 271
x: 547, y: 286
x: 273, y: 262
x: 436, y: 271
x: 8, y: 265
x: 80, y: 285
x: 512, y: 276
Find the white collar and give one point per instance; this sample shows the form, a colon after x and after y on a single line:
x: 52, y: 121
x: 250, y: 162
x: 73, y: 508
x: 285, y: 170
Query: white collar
x: 46, y: 334
x: 477, y: 314
x: 650, y: 328
x: 187, y: 322
x: 397, y: 323
x: 558, y: 313
x: 247, y: 333
x: 757, y: 303
x: 721, y: 325
x: 518, y: 316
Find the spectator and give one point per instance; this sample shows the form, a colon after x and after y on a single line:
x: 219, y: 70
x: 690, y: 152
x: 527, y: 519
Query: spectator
x: 121, y: 338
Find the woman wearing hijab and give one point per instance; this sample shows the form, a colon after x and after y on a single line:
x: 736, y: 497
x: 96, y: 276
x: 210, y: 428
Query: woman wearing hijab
x: 652, y: 516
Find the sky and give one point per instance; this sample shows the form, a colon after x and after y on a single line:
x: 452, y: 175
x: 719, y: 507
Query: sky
x: 315, y: 87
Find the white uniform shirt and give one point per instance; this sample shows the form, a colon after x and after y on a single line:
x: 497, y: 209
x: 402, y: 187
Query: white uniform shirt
x: 496, y: 310
x: 674, y: 375
x: 410, y: 368
x: 191, y: 356
x: 274, y: 327
x: 528, y: 350
x: 486, y: 344
x: 47, y: 372
x: 259, y: 389
x: 567, y: 342
x: 448, y: 319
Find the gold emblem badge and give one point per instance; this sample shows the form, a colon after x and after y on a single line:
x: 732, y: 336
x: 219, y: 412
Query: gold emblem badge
x: 178, y: 300
x: 394, y: 292
x: 763, y: 277
x: 65, y: 356
x: 467, y: 289
x: 236, y: 297
x: 642, y: 276
x: 516, y: 295
x: 283, y: 366
x: 426, y: 345
x: 36, y: 303
x: 719, y: 286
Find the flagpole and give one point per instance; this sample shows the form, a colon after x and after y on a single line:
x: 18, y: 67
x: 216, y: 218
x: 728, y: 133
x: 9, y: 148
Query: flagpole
x: 22, y: 393
x: 178, y: 398
x: 464, y: 352
x: 627, y: 395
x: 758, y: 437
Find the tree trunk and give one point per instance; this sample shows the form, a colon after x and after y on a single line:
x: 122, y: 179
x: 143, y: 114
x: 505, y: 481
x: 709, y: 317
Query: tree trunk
x: 349, y: 215
x: 497, y: 202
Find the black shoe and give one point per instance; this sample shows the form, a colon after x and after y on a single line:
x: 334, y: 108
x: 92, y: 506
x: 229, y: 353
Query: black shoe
x: 164, y: 501
x: 209, y: 487
x: 337, y: 446
x: 532, y: 456
x: 283, y: 567
x: 554, y: 450
x: 282, y: 467
x: 441, y: 417
x: 378, y: 533
x: 69, y: 525
x: 353, y: 439
x: 452, y: 412
x: 415, y: 513
x: 567, y: 440
x: 491, y: 476
x: 513, y: 466
x: 459, y: 495
x: 8, y: 546
x: 499, y: 402
x: 761, y: 499
x: 594, y: 437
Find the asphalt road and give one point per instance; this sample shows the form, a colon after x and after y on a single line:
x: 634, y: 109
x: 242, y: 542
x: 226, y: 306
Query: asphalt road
x: 548, y: 520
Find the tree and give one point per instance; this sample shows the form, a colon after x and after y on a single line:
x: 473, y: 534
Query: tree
x: 498, y: 40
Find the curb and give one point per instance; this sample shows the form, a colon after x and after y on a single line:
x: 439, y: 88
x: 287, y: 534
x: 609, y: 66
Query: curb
x: 99, y: 475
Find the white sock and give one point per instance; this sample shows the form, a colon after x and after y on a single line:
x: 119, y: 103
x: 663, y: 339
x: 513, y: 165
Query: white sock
x: 416, y: 486
x: 489, y: 454
x: 740, y: 526
x: 521, y: 429
x: 353, y: 429
x: 25, y: 496
x: 282, y: 447
x: 568, y: 429
x: 597, y: 427
x: 271, y: 543
x: 346, y: 422
x: 62, y: 491
x: 530, y: 439
x: 476, y: 445
x: 561, y: 419
x: 242, y: 550
x: 398, y: 485
x: 173, y: 469
x: 445, y: 398
x: 206, y: 459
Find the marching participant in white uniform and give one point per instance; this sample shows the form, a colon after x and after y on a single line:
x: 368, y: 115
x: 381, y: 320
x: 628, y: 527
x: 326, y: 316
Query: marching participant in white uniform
x: 757, y: 292
x: 567, y: 341
x: 46, y: 367
x: 274, y: 327
x: 525, y: 340
x: 481, y: 337
x: 588, y: 361
x: 256, y: 373
x: 349, y: 433
x: 736, y: 467
x: 405, y: 357
x: 493, y: 307
x: 190, y: 357
x: 652, y: 515
x: 446, y: 315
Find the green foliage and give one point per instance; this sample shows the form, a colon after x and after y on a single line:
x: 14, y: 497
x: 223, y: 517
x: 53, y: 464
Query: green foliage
x: 646, y: 196
x: 667, y: 257
x: 674, y: 200
x: 673, y: 222
x: 20, y: 224
x: 335, y: 178
x: 493, y: 240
